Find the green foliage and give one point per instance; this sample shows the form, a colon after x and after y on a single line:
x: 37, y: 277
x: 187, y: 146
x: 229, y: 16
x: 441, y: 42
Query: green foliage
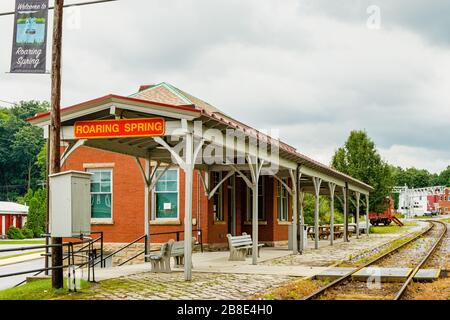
x: 27, y: 233
x: 41, y: 162
x: 20, y: 144
x: 360, y: 159
x: 14, y: 233
x: 443, y: 179
x: 37, y: 204
x: 324, y: 210
x: 412, y: 177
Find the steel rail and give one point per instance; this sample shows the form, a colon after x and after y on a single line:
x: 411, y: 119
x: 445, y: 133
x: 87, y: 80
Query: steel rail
x: 320, y: 291
x: 402, y: 290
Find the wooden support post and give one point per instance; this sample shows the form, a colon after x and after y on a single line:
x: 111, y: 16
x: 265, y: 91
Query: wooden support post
x: 358, y: 197
x: 367, y: 215
x: 346, y: 207
x: 317, y: 182
x: 332, y: 187
x: 302, y: 220
x: 189, y: 170
x: 294, y: 197
x: 55, y: 127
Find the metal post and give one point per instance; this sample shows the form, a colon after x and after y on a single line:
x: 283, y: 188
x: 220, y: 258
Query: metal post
x: 358, y: 197
x: 317, y: 182
x: 188, y: 170
x: 367, y: 215
x: 332, y: 187
x: 147, y: 206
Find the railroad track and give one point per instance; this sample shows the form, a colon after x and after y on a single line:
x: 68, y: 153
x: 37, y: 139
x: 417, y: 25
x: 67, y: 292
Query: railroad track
x: 343, y: 281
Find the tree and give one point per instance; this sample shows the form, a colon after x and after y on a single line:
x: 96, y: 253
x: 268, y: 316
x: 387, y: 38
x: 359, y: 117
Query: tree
x: 359, y: 158
x: 37, y: 204
x: 20, y: 144
x: 444, y: 178
x: 27, y: 143
x: 324, y: 210
x: 412, y: 177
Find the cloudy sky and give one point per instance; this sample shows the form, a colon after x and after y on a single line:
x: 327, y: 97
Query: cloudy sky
x: 314, y: 69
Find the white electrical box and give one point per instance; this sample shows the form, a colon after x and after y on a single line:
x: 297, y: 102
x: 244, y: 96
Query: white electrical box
x: 70, y: 204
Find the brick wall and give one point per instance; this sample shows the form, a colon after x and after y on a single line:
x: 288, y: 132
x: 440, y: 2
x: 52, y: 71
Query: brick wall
x: 128, y: 204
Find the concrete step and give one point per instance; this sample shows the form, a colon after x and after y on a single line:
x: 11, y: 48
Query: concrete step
x: 385, y: 274
x: 427, y: 275
x: 333, y: 273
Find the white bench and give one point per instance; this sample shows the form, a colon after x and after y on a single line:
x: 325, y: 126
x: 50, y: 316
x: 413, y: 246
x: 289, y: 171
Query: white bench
x: 178, y: 251
x: 161, y: 261
x: 241, y: 246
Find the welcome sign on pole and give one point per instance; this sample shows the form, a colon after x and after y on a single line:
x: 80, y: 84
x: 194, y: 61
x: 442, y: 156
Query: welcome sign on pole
x: 30, y: 36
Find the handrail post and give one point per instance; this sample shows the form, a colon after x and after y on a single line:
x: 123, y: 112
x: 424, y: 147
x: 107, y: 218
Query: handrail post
x: 145, y: 246
x: 102, y: 263
x: 201, y: 240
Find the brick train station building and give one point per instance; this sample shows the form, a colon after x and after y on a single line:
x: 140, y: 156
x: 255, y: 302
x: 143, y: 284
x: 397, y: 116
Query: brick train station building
x: 141, y: 186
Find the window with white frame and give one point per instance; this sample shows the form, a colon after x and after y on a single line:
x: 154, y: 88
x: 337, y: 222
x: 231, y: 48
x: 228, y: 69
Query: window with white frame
x: 261, y: 207
x: 101, y: 194
x: 165, y: 195
x: 216, y: 177
x: 282, y: 201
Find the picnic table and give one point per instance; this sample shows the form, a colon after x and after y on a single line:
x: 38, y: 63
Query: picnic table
x: 325, y: 232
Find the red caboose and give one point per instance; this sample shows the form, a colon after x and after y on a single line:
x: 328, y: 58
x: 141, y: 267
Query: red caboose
x: 385, y: 217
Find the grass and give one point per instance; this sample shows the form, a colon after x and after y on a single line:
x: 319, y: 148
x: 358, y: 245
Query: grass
x: 393, y: 228
x: 41, y: 290
x: 294, y: 290
x: 425, y: 217
x: 19, y: 255
x: 28, y: 241
x: 385, y: 229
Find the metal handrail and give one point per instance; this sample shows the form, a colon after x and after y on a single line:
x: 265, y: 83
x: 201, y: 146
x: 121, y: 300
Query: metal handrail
x: 123, y: 248
x: 178, y: 235
x: 89, y: 242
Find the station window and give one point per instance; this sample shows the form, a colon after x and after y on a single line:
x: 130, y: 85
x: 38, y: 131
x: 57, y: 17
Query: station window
x: 101, y: 194
x: 261, y: 207
x: 216, y: 177
x: 282, y: 202
x: 165, y: 196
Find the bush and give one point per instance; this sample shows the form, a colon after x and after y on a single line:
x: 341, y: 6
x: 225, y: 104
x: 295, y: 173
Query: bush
x: 27, y: 233
x: 14, y: 233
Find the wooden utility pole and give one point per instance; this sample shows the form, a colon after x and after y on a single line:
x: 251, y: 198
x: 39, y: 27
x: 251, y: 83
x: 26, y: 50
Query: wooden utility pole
x: 55, y: 126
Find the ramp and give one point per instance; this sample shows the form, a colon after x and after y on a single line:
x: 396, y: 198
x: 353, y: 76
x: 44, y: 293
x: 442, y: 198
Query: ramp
x: 397, y: 221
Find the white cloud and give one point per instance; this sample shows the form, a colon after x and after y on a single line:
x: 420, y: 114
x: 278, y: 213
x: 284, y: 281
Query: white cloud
x: 407, y: 157
x: 314, y: 73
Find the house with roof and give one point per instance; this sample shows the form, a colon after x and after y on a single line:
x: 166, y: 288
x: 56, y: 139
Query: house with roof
x: 11, y: 214
x: 146, y: 185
